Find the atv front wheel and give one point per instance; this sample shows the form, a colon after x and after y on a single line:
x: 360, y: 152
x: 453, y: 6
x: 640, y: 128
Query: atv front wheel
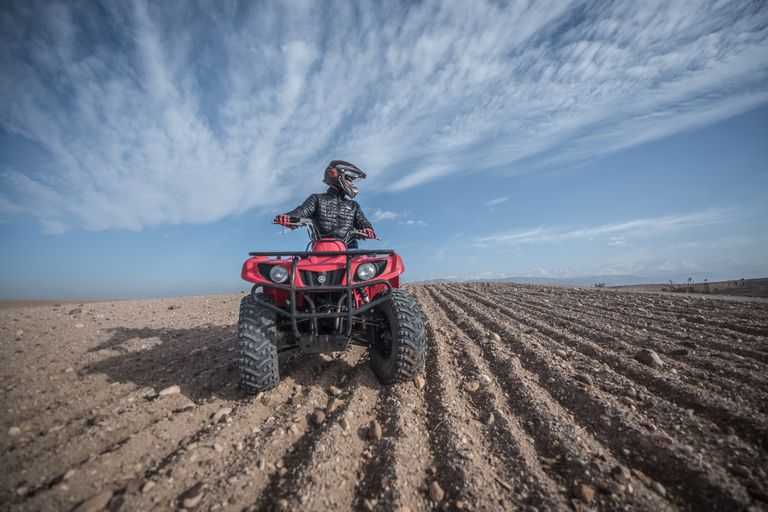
x: 398, y: 348
x: 256, y: 340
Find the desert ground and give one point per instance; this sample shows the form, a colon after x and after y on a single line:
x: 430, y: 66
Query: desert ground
x: 534, y: 398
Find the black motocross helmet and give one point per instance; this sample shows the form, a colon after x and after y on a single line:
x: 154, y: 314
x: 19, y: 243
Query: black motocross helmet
x: 340, y: 174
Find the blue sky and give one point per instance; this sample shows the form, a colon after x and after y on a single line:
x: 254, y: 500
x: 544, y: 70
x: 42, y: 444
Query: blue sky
x: 146, y: 146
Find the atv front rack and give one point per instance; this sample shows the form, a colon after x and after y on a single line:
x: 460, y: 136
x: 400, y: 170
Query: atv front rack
x: 322, y: 342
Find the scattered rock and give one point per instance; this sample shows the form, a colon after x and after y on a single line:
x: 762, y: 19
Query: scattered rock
x: 14, y: 431
x: 561, y: 353
x: 659, y: 489
x: 621, y: 474
x: 374, y: 432
x: 95, y: 503
x: 489, y: 419
x: 147, y: 487
x: 318, y: 417
x: 495, y: 338
x: 22, y: 491
x: 650, y: 358
x: 584, y: 379
x: 679, y: 352
x: 471, y: 386
x: 730, y: 431
x: 192, y: 496
x: 195, y: 352
x: 628, y: 401
x: 297, y: 400
x: 616, y: 488
x: 134, y: 485
x: 344, y: 424
x: 740, y: 470
x: 645, y: 442
x: 335, y: 404
x: 436, y: 492
x: 584, y: 493
x: 418, y: 382
x: 99, y: 419
x: 171, y: 390
x: 221, y: 413
x: 334, y: 391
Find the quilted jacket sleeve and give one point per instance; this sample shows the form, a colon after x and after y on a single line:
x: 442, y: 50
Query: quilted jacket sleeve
x: 361, y: 222
x: 307, y: 208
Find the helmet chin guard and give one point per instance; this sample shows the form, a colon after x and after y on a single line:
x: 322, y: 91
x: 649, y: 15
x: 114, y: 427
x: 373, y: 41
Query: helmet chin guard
x: 340, y: 174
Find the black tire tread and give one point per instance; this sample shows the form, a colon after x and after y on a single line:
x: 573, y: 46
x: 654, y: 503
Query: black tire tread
x: 257, y: 347
x: 411, y: 346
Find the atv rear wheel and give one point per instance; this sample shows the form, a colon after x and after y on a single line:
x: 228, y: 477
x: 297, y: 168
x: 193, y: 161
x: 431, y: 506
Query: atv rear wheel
x: 256, y: 340
x: 398, y: 349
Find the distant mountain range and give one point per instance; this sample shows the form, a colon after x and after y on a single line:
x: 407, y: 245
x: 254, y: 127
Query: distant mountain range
x: 620, y: 274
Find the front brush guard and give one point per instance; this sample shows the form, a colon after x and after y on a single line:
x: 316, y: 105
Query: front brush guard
x: 317, y: 342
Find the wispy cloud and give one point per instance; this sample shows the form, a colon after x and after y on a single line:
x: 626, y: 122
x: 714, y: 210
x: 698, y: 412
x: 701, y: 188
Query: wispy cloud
x: 153, y: 113
x: 618, y: 233
x: 494, y: 202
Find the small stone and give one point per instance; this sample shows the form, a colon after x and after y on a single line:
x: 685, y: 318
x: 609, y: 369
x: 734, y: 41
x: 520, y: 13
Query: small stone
x: 421, y: 411
x: 195, y: 352
x: 489, y: 419
x: 192, y: 496
x: 21, y: 491
x: 679, y: 352
x: 79, y: 326
x: 584, y: 493
x: 297, y: 400
x: 134, y: 485
x: 561, y: 353
x: 147, y: 487
x: 335, y: 404
x: 584, y: 379
x: 483, y: 377
x: 221, y: 413
x: 495, y: 337
x: 730, y: 431
x: 188, y: 406
x: 419, y: 382
x: 99, y: 419
x: 471, y: 386
x: 217, y: 447
x: 344, y: 424
x: 316, y: 480
x: 14, y: 431
x: 19, y: 332
x: 335, y: 391
x: 374, y: 432
x: 628, y: 401
x: 95, y: 503
x: 645, y: 442
x: 659, y: 489
x: 740, y: 470
x: 436, y: 492
x: 615, y: 488
x: 650, y: 358
x: 318, y: 417
x: 69, y: 474
x: 171, y: 390
x: 621, y: 474
x: 665, y: 439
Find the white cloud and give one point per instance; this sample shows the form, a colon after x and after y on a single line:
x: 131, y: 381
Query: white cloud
x: 155, y: 113
x: 380, y: 214
x: 619, y: 231
x: 494, y: 202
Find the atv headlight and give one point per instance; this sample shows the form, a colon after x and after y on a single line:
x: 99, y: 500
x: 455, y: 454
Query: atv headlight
x: 366, y: 271
x: 278, y: 274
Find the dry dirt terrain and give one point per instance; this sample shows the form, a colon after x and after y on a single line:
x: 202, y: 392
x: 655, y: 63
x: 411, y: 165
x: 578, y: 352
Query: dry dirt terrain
x: 533, y: 398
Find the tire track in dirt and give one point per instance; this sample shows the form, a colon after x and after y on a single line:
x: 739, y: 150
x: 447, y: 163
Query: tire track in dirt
x: 577, y: 402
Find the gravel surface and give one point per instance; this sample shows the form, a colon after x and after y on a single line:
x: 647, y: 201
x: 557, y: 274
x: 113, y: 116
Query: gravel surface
x: 534, y: 398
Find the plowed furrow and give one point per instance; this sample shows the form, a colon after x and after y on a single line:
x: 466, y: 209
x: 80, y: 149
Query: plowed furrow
x: 579, y: 403
x: 562, y: 324
x: 751, y: 426
x: 518, y: 467
x: 557, y: 434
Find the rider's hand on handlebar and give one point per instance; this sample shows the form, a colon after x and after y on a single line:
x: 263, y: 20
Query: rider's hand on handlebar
x: 284, y: 220
x: 369, y: 233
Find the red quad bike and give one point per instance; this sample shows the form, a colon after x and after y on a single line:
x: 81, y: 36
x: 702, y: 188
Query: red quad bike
x: 323, y: 299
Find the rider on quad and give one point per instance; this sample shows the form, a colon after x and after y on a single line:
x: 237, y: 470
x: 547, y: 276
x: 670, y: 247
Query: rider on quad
x: 333, y: 214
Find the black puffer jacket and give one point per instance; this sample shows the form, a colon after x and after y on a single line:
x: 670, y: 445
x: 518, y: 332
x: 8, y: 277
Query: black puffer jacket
x: 334, y: 215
